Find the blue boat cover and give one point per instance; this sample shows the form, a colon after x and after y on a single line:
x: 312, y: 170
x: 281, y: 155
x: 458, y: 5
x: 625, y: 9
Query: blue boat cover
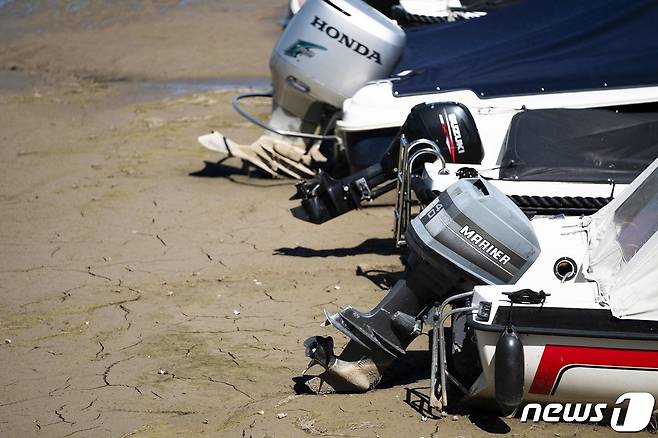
x: 534, y: 47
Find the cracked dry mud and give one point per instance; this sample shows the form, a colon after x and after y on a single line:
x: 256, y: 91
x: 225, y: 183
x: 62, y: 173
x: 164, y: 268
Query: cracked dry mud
x: 146, y: 293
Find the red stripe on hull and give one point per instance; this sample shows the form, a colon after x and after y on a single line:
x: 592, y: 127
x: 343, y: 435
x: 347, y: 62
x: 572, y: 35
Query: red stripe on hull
x: 557, y: 357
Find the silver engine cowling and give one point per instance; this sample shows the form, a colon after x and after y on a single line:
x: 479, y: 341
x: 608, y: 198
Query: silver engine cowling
x: 328, y: 51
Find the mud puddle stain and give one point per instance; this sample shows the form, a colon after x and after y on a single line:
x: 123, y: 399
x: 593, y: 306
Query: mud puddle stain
x: 132, y: 92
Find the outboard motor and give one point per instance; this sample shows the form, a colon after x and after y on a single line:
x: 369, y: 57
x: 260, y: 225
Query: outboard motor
x: 328, y: 50
x: 470, y: 234
x: 449, y: 126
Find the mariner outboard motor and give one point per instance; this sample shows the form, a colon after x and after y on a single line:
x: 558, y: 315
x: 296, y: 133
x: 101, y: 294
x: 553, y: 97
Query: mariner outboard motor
x: 447, y: 128
x: 470, y: 234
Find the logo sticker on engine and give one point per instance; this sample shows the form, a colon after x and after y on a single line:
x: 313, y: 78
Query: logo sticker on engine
x: 303, y: 48
x: 347, y: 41
x: 461, y: 235
x: 485, y: 246
x: 431, y: 212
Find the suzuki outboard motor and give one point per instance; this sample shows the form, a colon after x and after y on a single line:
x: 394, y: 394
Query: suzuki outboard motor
x: 449, y: 127
x: 471, y: 234
x: 328, y: 51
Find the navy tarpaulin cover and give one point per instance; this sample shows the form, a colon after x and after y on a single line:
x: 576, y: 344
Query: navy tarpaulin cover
x: 579, y: 145
x: 554, y: 45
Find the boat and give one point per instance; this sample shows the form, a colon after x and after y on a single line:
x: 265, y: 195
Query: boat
x: 589, y: 68
x: 548, y: 309
x: 550, y: 161
x: 568, y: 161
x: 425, y: 11
x: 533, y: 55
x: 598, y: 323
x: 327, y: 51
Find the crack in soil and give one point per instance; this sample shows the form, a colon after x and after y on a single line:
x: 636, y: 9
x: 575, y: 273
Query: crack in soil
x: 189, y: 350
x: 157, y: 236
x: 225, y: 332
x: 321, y: 305
x: 91, y: 403
x: 229, y: 384
x: 131, y: 289
x: 160, y: 412
x: 30, y: 269
x: 190, y: 315
x: 15, y: 402
x: 101, y: 350
x: 233, y: 358
x: 51, y: 352
x: 67, y: 293
x: 81, y: 430
x: 106, y: 374
x: 213, y: 380
x: 132, y: 345
x: 276, y: 300
x: 204, y: 252
x: 125, y: 315
x: 117, y: 303
x: 59, y: 414
x: 66, y: 386
x: 93, y: 274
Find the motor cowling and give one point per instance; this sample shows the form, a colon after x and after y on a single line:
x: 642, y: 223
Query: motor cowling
x: 451, y: 126
x: 328, y: 51
x: 477, y: 227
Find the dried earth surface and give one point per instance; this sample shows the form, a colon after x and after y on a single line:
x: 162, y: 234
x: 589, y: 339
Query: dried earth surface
x: 148, y: 290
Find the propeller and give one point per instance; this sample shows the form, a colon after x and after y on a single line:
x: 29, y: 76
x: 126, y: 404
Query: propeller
x: 320, y: 349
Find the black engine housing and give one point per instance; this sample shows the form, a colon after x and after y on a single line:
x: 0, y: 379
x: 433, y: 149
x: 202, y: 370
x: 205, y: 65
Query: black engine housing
x: 451, y: 126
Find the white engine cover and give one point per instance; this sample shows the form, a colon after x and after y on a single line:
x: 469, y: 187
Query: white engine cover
x: 329, y: 50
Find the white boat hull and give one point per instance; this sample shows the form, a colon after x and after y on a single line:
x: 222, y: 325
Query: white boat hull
x: 576, y: 369
x: 375, y: 107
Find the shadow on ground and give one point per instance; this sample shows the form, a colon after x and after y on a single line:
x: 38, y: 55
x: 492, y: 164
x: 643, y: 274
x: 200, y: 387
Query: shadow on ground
x: 411, y: 368
x: 244, y: 175
x: 379, y: 277
x: 369, y: 246
x: 489, y: 423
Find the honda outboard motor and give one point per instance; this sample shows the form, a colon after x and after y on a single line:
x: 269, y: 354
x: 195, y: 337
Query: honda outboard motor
x: 450, y: 126
x: 328, y: 50
x: 471, y: 234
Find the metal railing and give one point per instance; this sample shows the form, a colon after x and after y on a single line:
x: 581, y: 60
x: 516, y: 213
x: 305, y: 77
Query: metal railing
x: 409, y: 153
x: 438, y: 316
